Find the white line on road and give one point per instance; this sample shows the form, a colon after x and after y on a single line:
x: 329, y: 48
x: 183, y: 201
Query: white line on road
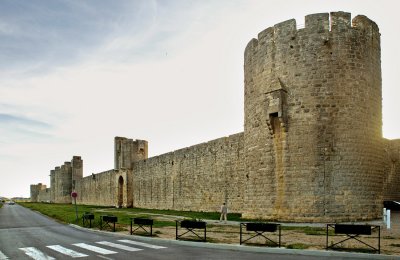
x: 36, y: 254
x: 119, y: 246
x: 95, y: 249
x: 66, y: 251
x: 141, y: 244
x: 104, y: 257
x: 3, y: 256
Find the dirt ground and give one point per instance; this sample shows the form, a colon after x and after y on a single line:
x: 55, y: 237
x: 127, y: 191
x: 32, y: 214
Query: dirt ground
x: 291, y: 237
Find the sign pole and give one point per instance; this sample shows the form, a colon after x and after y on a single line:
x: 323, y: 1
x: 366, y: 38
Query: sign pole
x: 74, y: 194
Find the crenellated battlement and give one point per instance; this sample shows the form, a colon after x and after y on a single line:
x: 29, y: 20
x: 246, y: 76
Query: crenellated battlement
x: 285, y: 29
x: 334, y: 22
x: 317, y: 22
x: 127, y: 151
x: 305, y: 95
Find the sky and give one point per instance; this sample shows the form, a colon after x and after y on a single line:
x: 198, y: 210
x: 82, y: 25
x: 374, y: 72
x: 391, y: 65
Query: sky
x: 75, y: 74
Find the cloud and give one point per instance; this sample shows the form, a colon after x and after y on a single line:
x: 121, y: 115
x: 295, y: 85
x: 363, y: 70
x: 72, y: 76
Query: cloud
x: 40, y: 36
x: 20, y: 129
x: 21, y: 121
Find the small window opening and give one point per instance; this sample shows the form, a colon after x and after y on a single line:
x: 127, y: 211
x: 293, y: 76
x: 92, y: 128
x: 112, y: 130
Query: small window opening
x: 275, y: 122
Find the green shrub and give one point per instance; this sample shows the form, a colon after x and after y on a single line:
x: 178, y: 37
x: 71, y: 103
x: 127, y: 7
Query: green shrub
x: 298, y: 246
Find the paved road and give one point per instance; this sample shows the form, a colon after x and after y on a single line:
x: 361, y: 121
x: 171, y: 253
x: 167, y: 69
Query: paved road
x: 25, y: 234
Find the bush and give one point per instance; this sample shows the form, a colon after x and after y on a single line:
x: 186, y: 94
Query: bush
x: 298, y: 246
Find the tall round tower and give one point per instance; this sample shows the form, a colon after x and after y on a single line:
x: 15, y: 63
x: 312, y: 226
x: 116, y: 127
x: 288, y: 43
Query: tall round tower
x: 313, y: 120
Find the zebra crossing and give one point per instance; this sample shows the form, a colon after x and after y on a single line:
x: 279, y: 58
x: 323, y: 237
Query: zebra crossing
x: 99, y: 248
x: 3, y: 256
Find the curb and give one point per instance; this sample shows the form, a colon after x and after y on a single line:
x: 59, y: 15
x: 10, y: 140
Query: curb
x: 237, y: 247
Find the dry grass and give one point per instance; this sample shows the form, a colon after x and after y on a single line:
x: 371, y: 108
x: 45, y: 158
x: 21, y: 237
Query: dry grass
x: 292, y: 238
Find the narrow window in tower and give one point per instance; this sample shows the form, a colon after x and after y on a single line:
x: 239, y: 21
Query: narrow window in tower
x: 275, y: 122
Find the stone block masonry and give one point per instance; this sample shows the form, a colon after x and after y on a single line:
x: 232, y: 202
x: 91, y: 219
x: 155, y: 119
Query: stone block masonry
x: 105, y: 189
x: 127, y: 152
x: 198, y: 178
x: 392, y: 170
x: 35, y: 190
x: 313, y: 120
x: 312, y: 147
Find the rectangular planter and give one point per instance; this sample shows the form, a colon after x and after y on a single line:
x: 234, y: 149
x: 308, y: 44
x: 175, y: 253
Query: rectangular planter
x: 193, y: 224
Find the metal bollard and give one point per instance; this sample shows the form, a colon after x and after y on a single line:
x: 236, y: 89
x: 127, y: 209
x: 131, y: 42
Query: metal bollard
x: 388, y: 219
x: 384, y: 216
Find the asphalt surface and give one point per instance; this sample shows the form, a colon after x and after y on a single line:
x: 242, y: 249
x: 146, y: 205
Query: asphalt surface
x: 25, y: 234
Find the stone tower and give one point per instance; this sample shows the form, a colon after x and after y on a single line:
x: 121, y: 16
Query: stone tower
x: 127, y: 151
x: 35, y: 190
x: 313, y: 140
x: 63, y: 179
x: 77, y: 170
x: 52, y: 185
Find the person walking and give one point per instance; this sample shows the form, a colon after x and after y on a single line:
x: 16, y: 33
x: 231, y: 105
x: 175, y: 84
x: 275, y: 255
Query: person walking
x: 224, y: 212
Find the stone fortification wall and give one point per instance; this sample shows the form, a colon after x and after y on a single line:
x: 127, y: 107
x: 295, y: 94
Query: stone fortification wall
x: 52, y: 185
x: 198, y: 178
x: 62, y: 180
x: 106, y: 189
x: 313, y: 140
x: 77, y: 170
x: 312, y: 146
x: 392, y: 170
x: 35, y: 190
x: 63, y: 187
x: 128, y: 151
x: 97, y: 189
x: 44, y: 195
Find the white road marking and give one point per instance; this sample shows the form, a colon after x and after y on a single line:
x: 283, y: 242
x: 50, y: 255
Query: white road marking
x: 104, y: 257
x: 141, y: 244
x: 66, y: 251
x: 95, y: 249
x: 119, y: 246
x: 36, y: 254
x: 3, y: 256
